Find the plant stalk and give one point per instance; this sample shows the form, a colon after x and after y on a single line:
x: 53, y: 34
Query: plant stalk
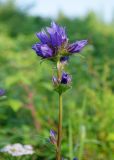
x: 59, y: 138
x: 59, y: 129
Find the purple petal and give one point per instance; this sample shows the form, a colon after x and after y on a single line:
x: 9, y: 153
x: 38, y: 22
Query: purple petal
x: 64, y: 59
x: 60, y: 30
x: 52, y: 138
x: 52, y: 133
x: 66, y: 78
x: 55, y: 82
x: 43, y: 50
x: 44, y: 38
x: 55, y: 37
x: 63, y: 34
x: 55, y: 26
x: 57, y: 34
x: 77, y: 46
x: 55, y: 40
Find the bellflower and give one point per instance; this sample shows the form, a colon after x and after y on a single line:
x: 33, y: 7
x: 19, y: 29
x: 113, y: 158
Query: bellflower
x: 65, y: 79
x: 54, y: 44
x: 63, y: 83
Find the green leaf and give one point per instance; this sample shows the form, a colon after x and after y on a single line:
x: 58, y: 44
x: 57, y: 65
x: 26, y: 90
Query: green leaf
x: 15, y: 104
x: 62, y: 88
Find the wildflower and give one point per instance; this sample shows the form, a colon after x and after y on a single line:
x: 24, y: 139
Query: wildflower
x: 2, y: 92
x: 63, y: 84
x: 55, y: 45
x: 53, y: 138
x: 18, y: 149
x: 65, y: 79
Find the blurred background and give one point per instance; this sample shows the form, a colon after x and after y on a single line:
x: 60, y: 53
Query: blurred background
x: 30, y: 108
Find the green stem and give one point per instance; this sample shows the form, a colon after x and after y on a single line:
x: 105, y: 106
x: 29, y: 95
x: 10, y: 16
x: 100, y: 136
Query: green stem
x: 59, y: 129
x: 70, y: 141
x: 82, y: 131
x: 82, y: 142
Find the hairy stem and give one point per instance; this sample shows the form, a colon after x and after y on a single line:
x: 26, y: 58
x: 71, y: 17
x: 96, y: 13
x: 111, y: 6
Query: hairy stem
x: 59, y: 129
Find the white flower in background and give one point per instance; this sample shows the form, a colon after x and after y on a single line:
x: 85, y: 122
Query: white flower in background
x: 18, y: 149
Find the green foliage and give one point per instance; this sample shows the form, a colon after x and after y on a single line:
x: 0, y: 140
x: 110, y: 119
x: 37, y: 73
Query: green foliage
x: 30, y: 110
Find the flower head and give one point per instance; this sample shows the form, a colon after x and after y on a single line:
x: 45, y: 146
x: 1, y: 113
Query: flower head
x: 54, y: 43
x: 2, y: 92
x: 63, y: 83
x: 18, y: 149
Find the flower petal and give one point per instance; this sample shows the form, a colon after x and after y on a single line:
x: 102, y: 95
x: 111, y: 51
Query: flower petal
x: 55, y: 26
x: 64, y: 59
x: 44, y: 38
x: 77, y: 46
x: 57, y: 34
x: 66, y: 78
x: 60, y: 30
x: 43, y: 50
x: 52, y: 133
x: 56, y: 40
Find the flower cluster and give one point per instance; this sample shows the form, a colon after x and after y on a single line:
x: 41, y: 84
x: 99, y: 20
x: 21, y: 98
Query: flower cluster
x: 63, y: 83
x: 18, y: 149
x: 55, y: 45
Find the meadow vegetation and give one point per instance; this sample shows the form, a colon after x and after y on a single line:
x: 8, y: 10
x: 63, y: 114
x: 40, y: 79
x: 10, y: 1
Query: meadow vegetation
x: 30, y: 110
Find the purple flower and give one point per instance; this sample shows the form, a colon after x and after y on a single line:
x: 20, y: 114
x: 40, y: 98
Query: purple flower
x: 43, y: 50
x: 53, y: 138
x: 52, y: 133
x: 54, y: 43
x: 2, y: 92
x: 66, y: 78
x: 77, y: 46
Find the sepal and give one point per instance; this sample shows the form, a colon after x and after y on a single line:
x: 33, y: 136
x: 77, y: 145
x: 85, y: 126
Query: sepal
x: 61, y: 88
